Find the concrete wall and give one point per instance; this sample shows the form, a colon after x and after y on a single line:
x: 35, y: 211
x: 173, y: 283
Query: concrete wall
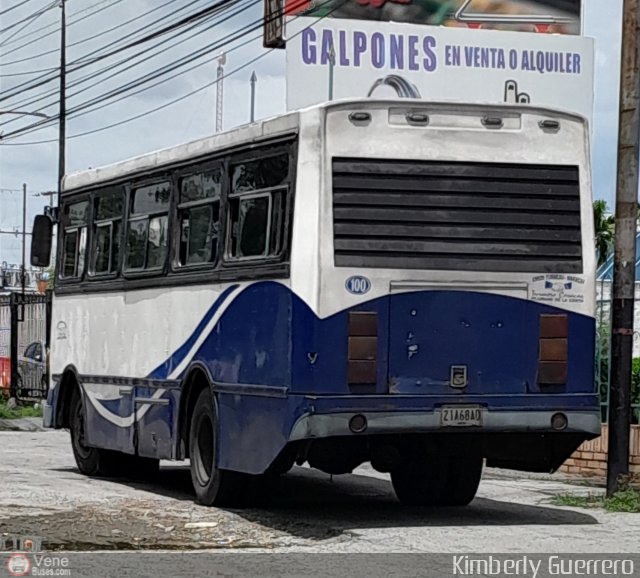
x: 590, y: 459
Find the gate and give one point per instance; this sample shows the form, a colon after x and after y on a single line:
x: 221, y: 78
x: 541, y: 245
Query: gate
x: 28, y: 344
x: 5, y: 344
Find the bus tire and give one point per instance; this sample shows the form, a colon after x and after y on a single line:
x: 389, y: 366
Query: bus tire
x: 90, y: 461
x: 101, y: 462
x: 463, y: 479
x: 420, y: 483
x: 212, y: 486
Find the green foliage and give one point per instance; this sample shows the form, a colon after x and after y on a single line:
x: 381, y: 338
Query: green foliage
x: 604, y: 230
x: 20, y: 411
x: 624, y: 501
x: 627, y: 499
x: 578, y: 501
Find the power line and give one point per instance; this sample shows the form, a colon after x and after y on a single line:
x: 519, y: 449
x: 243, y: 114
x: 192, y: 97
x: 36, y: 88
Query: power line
x: 232, y: 37
x: 176, y: 100
x: 93, y: 75
x: 25, y: 19
x: 35, y: 83
x: 29, y: 21
x: 14, y: 7
x: 28, y: 72
x: 118, y: 26
x: 71, y: 20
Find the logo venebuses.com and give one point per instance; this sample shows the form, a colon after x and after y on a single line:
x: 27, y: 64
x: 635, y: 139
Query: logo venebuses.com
x: 20, y: 564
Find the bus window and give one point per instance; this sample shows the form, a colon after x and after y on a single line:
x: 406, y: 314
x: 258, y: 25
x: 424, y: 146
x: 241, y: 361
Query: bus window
x: 198, y: 214
x: 75, y: 239
x: 257, y: 206
x: 148, y: 227
x: 250, y: 226
x: 107, y: 222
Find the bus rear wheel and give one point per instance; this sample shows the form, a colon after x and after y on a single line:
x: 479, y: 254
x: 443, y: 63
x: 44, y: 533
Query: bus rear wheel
x: 463, y: 479
x: 438, y: 481
x: 419, y: 483
x: 212, y: 486
x: 100, y: 462
x: 90, y: 460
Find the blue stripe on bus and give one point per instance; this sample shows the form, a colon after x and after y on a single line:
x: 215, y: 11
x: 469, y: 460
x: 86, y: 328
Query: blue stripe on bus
x: 163, y: 370
x: 268, y: 336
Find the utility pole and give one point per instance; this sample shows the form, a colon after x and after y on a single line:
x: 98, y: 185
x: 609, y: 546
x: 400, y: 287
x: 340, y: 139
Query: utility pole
x: 63, y: 98
x: 253, y: 81
x: 625, y: 249
x: 222, y: 60
x: 23, y: 279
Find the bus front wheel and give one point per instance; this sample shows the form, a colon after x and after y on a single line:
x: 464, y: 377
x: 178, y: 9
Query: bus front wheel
x: 212, y: 486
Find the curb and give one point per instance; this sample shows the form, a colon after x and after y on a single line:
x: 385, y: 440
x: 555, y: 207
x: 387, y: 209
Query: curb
x: 23, y: 424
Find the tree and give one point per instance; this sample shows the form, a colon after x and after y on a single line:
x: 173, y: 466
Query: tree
x: 603, y: 230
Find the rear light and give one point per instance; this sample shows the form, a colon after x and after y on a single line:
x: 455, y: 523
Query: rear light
x: 559, y: 421
x: 553, y: 349
x: 363, y: 348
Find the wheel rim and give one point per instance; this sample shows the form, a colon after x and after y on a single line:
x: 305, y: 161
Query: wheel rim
x: 204, y: 450
x: 78, y: 434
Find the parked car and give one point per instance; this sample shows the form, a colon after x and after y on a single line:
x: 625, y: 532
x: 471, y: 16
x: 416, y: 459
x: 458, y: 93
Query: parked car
x: 32, y: 371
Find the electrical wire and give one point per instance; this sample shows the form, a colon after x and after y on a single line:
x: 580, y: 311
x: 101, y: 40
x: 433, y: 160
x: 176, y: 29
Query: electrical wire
x: 14, y: 7
x: 46, y: 79
x: 28, y: 21
x: 170, y: 103
x: 71, y: 21
x: 95, y: 74
x: 78, y: 42
x: 125, y: 90
x: 39, y: 125
x: 37, y: 82
x: 88, y: 77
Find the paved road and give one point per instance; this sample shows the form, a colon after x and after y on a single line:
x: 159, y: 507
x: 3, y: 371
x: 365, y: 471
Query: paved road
x: 42, y: 494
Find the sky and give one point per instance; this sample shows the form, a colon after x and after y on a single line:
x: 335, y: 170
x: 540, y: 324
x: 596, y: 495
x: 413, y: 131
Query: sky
x: 30, y: 54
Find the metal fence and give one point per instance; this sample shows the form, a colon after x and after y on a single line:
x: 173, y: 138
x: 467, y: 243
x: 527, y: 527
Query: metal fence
x: 603, y: 352
x: 24, y: 345
x: 5, y: 343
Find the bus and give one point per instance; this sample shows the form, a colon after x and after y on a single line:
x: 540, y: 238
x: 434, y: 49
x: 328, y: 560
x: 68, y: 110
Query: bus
x: 399, y: 282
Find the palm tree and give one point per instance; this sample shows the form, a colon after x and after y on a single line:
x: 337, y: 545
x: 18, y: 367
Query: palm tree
x: 603, y: 230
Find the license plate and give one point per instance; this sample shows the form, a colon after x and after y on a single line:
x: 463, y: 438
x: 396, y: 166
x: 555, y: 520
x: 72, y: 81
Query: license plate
x: 460, y: 416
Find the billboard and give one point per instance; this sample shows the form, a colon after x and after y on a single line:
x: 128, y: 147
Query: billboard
x: 343, y: 58
x: 556, y: 16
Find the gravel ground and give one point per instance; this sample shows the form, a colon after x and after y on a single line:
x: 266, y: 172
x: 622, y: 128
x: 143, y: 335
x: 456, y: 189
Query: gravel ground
x: 42, y: 494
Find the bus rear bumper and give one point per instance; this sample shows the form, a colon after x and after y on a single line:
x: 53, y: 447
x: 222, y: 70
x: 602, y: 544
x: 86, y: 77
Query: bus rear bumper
x: 312, y: 426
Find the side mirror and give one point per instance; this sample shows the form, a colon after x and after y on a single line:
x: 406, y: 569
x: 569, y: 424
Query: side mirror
x: 41, y: 241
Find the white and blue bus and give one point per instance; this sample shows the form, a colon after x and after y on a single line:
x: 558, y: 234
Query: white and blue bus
x: 398, y: 282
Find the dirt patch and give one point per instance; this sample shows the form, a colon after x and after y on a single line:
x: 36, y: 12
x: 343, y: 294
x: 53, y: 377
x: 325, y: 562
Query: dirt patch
x: 144, y: 525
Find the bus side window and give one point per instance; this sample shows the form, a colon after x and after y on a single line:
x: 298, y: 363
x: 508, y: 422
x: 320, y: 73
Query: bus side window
x: 257, y: 207
x: 74, y: 244
x: 147, y: 232
x: 198, y: 216
x: 107, y: 232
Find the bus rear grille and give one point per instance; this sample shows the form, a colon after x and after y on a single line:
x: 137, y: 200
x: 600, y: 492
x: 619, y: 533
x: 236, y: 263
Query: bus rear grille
x: 454, y: 215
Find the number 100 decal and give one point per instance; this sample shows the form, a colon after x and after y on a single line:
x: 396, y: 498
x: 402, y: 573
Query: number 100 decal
x: 357, y: 285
